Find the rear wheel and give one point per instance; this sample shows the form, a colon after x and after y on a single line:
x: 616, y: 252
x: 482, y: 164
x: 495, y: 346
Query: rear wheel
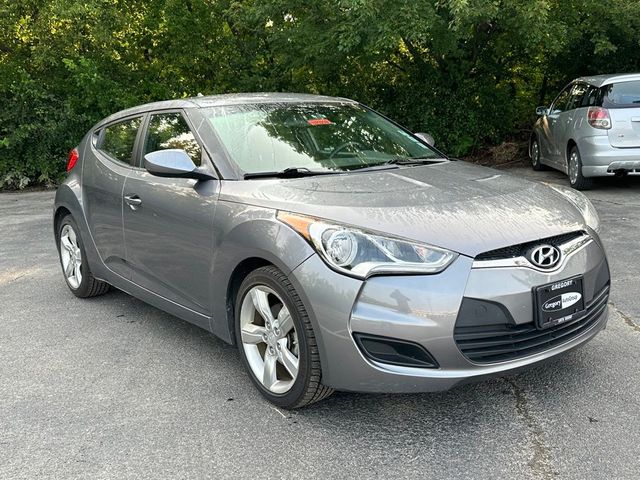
x: 276, y: 340
x: 534, y: 152
x: 576, y: 179
x: 73, y: 259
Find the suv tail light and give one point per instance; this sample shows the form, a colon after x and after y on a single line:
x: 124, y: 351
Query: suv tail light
x: 599, y: 118
x: 73, y: 158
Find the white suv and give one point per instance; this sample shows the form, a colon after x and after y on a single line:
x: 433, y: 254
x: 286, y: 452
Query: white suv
x: 592, y: 129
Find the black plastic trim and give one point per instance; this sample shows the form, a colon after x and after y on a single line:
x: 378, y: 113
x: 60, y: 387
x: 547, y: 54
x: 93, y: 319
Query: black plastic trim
x: 500, y: 341
x: 407, y: 354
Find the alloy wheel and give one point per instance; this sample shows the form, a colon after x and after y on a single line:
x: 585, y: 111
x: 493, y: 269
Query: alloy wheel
x: 535, y: 153
x: 71, y: 256
x: 573, y: 167
x: 269, y: 339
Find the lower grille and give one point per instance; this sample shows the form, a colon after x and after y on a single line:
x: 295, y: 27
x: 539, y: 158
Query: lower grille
x: 496, y: 343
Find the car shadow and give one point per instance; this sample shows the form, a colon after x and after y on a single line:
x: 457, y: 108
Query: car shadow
x: 491, y: 400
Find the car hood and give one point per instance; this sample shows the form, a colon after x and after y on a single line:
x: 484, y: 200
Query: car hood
x: 454, y: 205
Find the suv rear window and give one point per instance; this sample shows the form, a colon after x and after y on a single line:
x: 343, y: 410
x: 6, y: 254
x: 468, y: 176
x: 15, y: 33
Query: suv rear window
x: 119, y: 139
x: 622, y: 95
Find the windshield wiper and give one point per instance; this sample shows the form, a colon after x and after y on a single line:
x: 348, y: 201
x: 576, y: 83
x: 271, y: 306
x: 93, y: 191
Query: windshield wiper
x: 290, y: 172
x: 395, y: 162
x: 297, y: 172
x: 412, y: 160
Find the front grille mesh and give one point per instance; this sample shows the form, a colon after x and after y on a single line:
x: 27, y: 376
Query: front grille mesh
x: 519, y: 250
x: 500, y: 342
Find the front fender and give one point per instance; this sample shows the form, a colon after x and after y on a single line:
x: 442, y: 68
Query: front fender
x: 248, y: 232
x: 536, y: 132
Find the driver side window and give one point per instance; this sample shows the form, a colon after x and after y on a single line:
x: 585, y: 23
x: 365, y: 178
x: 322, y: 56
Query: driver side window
x: 560, y: 103
x: 170, y: 130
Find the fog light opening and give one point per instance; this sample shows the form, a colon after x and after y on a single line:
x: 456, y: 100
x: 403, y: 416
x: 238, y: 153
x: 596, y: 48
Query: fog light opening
x: 394, y: 352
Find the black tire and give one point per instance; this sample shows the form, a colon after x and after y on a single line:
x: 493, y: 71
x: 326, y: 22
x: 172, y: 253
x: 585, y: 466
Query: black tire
x: 89, y: 285
x: 577, y: 181
x: 307, y: 387
x: 534, y: 154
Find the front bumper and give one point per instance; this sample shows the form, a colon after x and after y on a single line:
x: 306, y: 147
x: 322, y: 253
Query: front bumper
x: 423, y: 309
x: 600, y: 159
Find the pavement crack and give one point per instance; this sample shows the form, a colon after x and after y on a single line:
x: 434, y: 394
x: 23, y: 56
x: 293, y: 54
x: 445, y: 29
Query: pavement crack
x: 540, y: 463
x: 626, y: 318
x: 11, y: 275
x: 611, y: 202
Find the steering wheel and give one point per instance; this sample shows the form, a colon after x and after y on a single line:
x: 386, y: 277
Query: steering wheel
x: 340, y: 148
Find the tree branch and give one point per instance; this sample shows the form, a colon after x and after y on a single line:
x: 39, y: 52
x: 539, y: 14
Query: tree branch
x: 415, y: 53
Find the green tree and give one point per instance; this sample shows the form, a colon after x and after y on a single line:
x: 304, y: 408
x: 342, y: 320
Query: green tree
x: 468, y: 71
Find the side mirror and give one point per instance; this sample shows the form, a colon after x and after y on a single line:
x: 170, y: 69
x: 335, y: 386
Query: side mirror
x: 426, y: 138
x: 542, y: 111
x: 173, y: 163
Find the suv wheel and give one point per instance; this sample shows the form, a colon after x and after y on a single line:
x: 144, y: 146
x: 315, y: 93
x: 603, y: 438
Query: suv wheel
x: 534, y: 153
x: 576, y: 179
x: 276, y: 340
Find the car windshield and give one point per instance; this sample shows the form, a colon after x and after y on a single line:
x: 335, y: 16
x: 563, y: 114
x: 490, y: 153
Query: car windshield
x: 312, y: 136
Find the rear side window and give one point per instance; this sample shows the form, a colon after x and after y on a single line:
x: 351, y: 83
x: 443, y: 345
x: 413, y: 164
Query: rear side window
x: 119, y: 139
x: 592, y: 98
x: 622, y: 95
x: 578, y: 93
x: 170, y: 130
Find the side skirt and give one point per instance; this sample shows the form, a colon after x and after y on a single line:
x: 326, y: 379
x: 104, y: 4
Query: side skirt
x: 147, y: 296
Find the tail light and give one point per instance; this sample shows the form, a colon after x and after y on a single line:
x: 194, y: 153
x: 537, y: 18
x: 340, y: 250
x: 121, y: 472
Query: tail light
x: 599, y: 118
x: 73, y: 158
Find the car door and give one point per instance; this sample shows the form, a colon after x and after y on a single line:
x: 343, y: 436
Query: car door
x: 568, y: 120
x: 109, y: 162
x: 168, y: 222
x: 555, y: 122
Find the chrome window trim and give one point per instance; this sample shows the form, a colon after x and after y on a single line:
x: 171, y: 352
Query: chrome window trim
x: 567, y: 250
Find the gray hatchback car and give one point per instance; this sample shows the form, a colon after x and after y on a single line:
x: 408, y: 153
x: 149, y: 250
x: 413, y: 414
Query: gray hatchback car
x: 592, y: 129
x: 334, y: 247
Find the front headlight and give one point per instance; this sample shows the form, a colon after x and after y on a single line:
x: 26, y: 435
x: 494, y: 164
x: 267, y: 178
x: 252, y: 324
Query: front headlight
x: 582, y: 203
x: 361, y: 254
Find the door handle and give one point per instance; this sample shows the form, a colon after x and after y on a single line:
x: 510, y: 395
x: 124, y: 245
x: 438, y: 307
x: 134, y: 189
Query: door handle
x: 134, y: 201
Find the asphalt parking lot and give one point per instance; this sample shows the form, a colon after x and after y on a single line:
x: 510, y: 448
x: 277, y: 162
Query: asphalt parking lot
x: 113, y: 388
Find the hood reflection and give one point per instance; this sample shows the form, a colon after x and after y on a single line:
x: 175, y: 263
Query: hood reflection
x: 453, y: 205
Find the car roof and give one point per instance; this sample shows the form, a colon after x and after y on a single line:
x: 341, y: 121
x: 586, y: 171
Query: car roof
x: 226, y: 99
x: 601, y: 80
x: 265, y: 97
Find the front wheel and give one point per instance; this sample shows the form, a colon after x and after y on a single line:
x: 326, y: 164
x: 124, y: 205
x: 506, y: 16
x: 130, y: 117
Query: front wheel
x: 534, y: 152
x: 576, y: 179
x: 276, y: 340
